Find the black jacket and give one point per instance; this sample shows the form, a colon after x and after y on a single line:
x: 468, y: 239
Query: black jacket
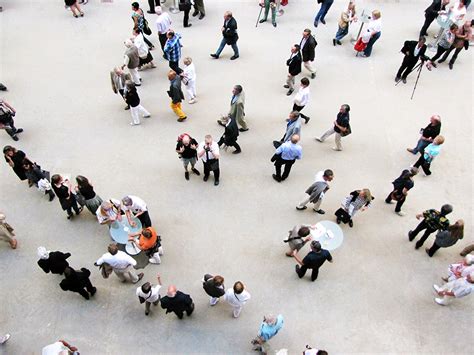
x: 410, y: 58
x: 76, y: 281
x: 175, y: 91
x: 178, y: 304
x: 294, y: 64
x: 231, y: 132
x: 132, y: 98
x: 432, y: 10
x: 308, y: 49
x: 56, y: 263
x: 230, y: 31
x: 211, y: 288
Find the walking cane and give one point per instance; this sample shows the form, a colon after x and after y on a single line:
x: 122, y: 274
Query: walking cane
x: 259, y: 14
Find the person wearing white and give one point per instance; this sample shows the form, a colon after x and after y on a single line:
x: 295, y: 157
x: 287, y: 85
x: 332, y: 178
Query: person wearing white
x: 302, y: 98
x: 461, y: 269
x: 189, y: 79
x: 454, y: 289
x: 457, y: 12
x: 60, y: 347
x: 109, y: 212
x: 121, y: 263
x: 131, y: 60
x: 237, y: 296
x: 208, y: 152
x: 134, y: 206
x: 163, y: 25
x: 148, y: 294
x: 143, y: 50
x: 374, y: 30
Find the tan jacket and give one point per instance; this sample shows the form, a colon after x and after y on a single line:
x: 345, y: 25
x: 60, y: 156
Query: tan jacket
x: 118, y: 81
x: 345, y: 18
x: 237, y: 108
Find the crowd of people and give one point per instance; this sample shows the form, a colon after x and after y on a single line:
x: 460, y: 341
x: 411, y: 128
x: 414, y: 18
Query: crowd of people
x: 126, y: 77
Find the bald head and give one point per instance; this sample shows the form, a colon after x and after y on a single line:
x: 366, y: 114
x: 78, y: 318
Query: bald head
x: 295, y: 138
x: 171, y: 291
x: 171, y: 75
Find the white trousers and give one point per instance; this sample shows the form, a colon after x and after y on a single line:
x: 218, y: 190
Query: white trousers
x: 337, y: 138
x: 135, y: 112
x: 135, y: 75
x: 309, y: 66
x: 306, y: 201
x: 191, y: 89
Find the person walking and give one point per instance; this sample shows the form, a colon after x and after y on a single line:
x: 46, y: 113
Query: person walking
x: 317, y: 191
x: 230, y: 36
x: 39, y: 178
x: 294, y: 68
x: 230, y: 136
x: 214, y: 287
x: 189, y: 79
x: 447, y: 238
x: 431, y: 13
x: 121, y: 263
x: 237, y: 296
x: 269, y: 4
x: 293, y: 126
x: 176, y: 95
x: 15, y: 158
x: 177, y: 302
x: 429, y: 153
x: 172, y: 51
x: 135, y: 207
x: 60, y: 347
x: 153, y: 4
x: 187, y: 152
x: 199, y: 9
x: 52, y: 261
x: 323, y: 10
x: 78, y: 281
x: 431, y: 221
x: 133, y: 101
x: 286, y: 154
x: 341, y: 127
x: 185, y: 6
x: 7, y: 233
x: 445, y: 42
x: 301, y: 99
x: 401, y: 186
x: 163, y: 25
x: 428, y: 134
x: 148, y: 294
x: 358, y: 200
x: 347, y: 17
x: 237, y: 109
x: 308, y: 46
x: 462, y: 37
x: 208, y: 152
x: 145, y: 58
x: 91, y: 200
x: 268, y: 329
x: 131, y: 60
x: 73, y: 5
x: 149, y: 242
x: 140, y: 23
x: 118, y: 78
x: 7, y: 112
x: 62, y: 187
x: 413, y: 51
x: 313, y: 260
x: 298, y: 237
x: 374, y: 29
x: 454, y: 289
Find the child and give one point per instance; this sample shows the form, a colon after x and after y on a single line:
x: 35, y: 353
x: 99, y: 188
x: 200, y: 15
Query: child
x: 189, y: 79
x: 347, y: 17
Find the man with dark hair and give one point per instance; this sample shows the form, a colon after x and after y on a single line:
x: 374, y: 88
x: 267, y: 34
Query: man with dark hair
x: 401, y: 186
x: 176, y: 94
x: 148, y: 294
x: 177, y: 302
x: 294, y: 68
x: 431, y: 13
x: 286, y: 154
x: 301, y: 98
x: 78, y: 281
x: 413, y: 51
x: 172, y: 51
x: 293, y: 126
x: 214, y: 287
x: 237, y: 109
x: 121, y: 263
x: 298, y: 237
x: 341, y: 127
x: 316, y: 191
x: 314, y: 260
x: 431, y: 221
x: 230, y: 36
x: 308, y: 45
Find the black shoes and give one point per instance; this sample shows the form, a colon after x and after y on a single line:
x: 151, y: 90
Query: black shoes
x: 320, y: 211
x: 215, y: 56
x: 237, y: 151
x: 216, y: 183
x: 276, y: 178
x: 351, y: 224
x: 186, y: 175
x: 202, y: 16
x: 196, y: 171
x: 243, y: 129
x: 195, y: 13
x: 234, y: 57
x: 334, y: 42
x: 205, y: 178
x: 182, y: 119
x: 289, y: 92
x: 188, y: 25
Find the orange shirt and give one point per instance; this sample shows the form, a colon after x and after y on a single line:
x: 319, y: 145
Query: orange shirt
x: 145, y: 243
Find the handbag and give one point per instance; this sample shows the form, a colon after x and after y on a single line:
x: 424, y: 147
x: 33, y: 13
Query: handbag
x: 346, y: 132
x: 146, y: 28
x: 213, y: 164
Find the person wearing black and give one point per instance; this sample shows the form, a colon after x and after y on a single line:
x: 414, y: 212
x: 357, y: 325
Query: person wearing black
x: 431, y: 13
x: 63, y: 189
x: 294, y: 68
x: 78, y: 281
x: 15, y: 159
x: 133, y: 101
x: 214, y: 287
x: 52, y: 261
x: 448, y: 237
x: 231, y: 133
x: 90, y: 199
x: 230, y: 36
x: 208, y: 151
x: 185, y: 6
x: 432, y: 220
x: 176, y: 94
x: 341, y: 127
x: 401, y: 186
x: 38, y: 177
x: 314, y: 260
x: 199, y: 8
x: 177, y: 302
x: 7, y: 112
x: 187, y: 152
x: 152, y: 4
x: 413, y: 51
x: 308, y: 45
x: 428, y: 134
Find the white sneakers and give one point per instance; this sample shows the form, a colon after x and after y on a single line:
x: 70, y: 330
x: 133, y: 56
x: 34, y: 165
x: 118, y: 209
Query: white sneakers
x: 4, y: 338
x: 192, y: 101
x: 440, y: 301
x: 436, y: 288
x: 213, y: 301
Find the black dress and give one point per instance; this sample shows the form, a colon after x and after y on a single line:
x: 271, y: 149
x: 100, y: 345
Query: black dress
x: 69, y: 2
x: 17, y: 160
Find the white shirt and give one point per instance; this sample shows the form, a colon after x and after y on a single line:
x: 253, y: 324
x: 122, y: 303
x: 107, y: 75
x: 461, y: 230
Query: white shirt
x: 142, y: 47
x: 138, y: 205
x: 375, y: 25
x: 120, y: 260
x: 190, y: 72
x: 236, y: 300
x: 460, y: 287
x: 163, y: 23
x: 214, y: 148
x: 302, y: 96
x: 55, y: 349
x: 152, y: 296
x: 110, y: 215
x: 319, y: 176
x: 457, y: 14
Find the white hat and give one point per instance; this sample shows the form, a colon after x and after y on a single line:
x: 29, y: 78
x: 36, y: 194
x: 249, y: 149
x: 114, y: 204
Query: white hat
x: 43, y: 253
x: 469, y: 259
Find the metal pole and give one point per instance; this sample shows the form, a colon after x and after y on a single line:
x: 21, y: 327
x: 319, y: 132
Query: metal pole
x: 279, y: 10
x: 174, y: 8
x: 259, y: 14
x: 416, y: 82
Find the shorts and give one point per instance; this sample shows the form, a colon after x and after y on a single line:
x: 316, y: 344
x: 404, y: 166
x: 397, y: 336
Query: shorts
x: 187, y: 161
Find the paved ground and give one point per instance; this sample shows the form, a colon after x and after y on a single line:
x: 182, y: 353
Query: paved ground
x: 375, y: 298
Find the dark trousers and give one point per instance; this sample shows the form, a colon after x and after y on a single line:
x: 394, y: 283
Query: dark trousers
x: 373, y: 39
x: 405, y: 69
x: 152, y: 3
x: 10, y: 127
x: 162, y: 38
x: 175, y: 66
x: 421, y: 226
x: 433, y: 249
x: 234, y: 144
x: 199, y: 7
x: 400, y: 201
x: 428, y: 20
x: 73, y: 206
x: 207, y: 171
x: 149, y: 44
x: 424, y: 164
x: 302, y: 271
x: 186, y: 17
x: 439, y: 52
x: 188, y: 311
x: 287, y: 163
x: 299, y: 109
x: 87, y: 286
x: 455, y: 55
x: 145, y: 219
x: 325, y: 6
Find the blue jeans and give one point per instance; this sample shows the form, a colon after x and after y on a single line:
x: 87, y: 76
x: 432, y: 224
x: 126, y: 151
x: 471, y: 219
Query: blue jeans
x: 420, y: 146
x: 341, y: 33
x: 223, y: 44
x: 373, y: 39
x: 323, y: 10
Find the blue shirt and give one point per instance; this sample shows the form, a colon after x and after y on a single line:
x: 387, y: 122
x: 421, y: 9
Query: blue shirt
x: 289, y: 151
x: 433, y: 150
x: 172, y: 48
x: 268, y: 331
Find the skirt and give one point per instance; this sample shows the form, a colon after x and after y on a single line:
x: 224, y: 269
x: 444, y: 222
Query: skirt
x: 93, y: 204
x: 144, y: 61
x: 69, y: 2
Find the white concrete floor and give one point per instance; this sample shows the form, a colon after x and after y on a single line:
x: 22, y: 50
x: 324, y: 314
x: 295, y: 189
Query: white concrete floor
x: 375, y: 298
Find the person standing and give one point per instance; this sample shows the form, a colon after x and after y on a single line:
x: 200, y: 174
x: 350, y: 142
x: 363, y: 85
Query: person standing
x: 413, y: 51
x: 63, y: 189
x: 308, y: 46
x: 357, y: 200
x: 230, y: 36
x: 230, y: 136
x: 431, y: 13
x: 131, y: 60
x: 74, y: 7
x: 294, y: 68
x: 293, y: 126
x: 268, y: 329
x: 313, y: 260
x: 286, y: 154
x: 374, y: 29
x: 185, y: 6
x: 163, y: 25
x: 177, y: 302
x: 429, y: 153
x: 347, y: 17
x: 135, y: 207
x: 267, y: 4
x: 298, y: 237
x: 460, y: 269
x: 152, y: 4
x: 431, y: 221
x: 317, y: 191
x: 237, y: 109
x: 401, y: 186
x: 199, y: 9
x: 189, y: 78
x: 444, y: 43
x: 148, y: 294
x: 139, y: 22
x: 7, y: 112
x: 428, y: 134
x: 214, y: 287
x: 461, y: 40
x: 39, y: 178
x: 208, y: 152
x: 78, y: 281
x: 187, y: 151
x: 454, y: 289
x: 15, y: 158
x: 325, y: 6
x: 7, y: 233
x: 176, y: 95
x: 149, y: 242
x: 109, y: 212
x: 118, y: 79
x: 341, y: 127
x: 237, y: 296
x: 91, y: 199
x: 121, y: 263
x: 302, y: 98
x: 172, y: 51
x: 52, y: 261
x: 133, y: 101
x: 447, y: 238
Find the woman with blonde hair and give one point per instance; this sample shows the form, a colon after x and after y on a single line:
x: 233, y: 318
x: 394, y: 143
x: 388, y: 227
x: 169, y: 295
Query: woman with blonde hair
x: 448, y: 237
x: 357, y: 200
x: 347, y: 16
x: 430, y: 152
x: 374, y: 30
x: 189, y: 79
